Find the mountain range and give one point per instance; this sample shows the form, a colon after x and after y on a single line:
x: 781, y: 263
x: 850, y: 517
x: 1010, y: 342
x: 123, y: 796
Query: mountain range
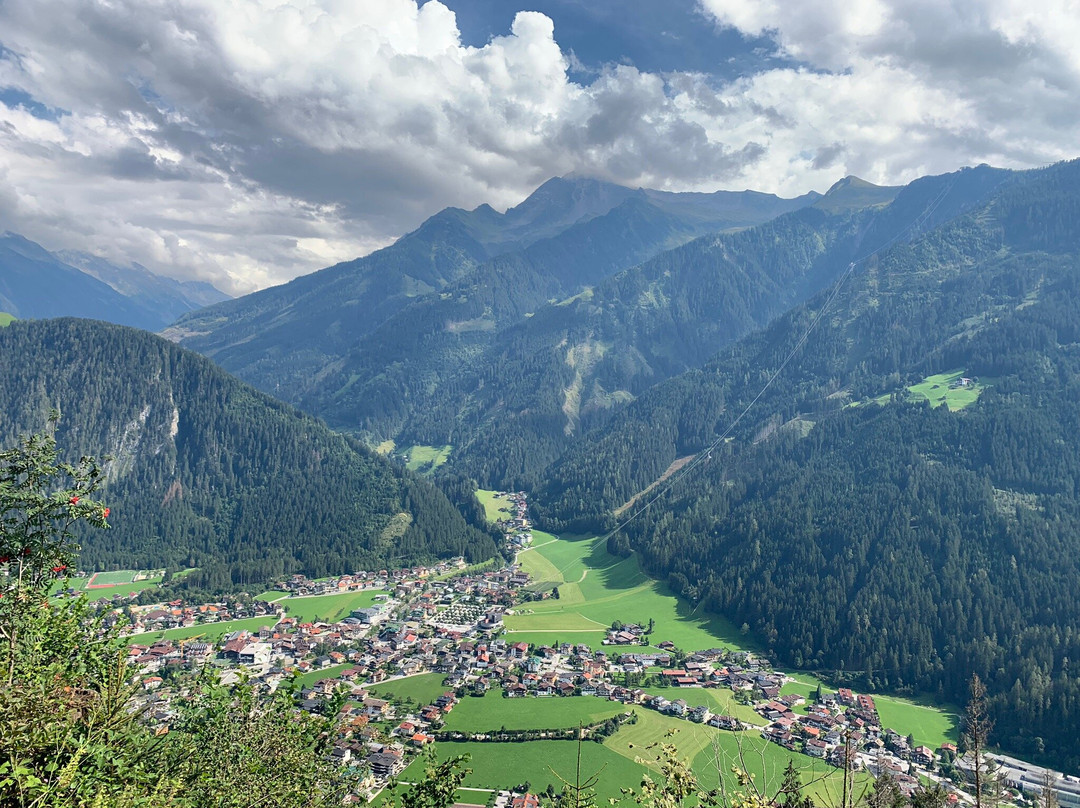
x: 36, y: 284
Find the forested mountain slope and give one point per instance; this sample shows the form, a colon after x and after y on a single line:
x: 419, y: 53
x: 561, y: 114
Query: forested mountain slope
x: 461, y: 274
x: 512, y: 400
x: 854, y: 529
x: 208, y: 472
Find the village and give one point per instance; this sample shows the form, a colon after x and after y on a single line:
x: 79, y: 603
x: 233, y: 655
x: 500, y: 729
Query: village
x: 448, y: 620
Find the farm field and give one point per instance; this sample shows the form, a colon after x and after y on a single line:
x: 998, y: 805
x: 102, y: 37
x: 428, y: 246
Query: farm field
x: 504, y: 765
x: 423, y: 689
x: 495, y: 509
x: 325, y: 608
x: 210, y: 632
x: 929, y: 724
x: 492, y: 711
x: 597, y: 588
x: 426, y: 458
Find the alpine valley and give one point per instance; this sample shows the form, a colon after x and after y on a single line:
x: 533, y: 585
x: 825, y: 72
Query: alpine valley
x: 849, y: 423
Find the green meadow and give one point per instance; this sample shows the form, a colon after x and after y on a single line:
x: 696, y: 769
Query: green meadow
x: 494, y: 509
x: 6, y: 319
x: 504, y: 765
x: 314, y: 677
x: 209, y: 632
x: 623, y: 758
x: 938, y: 389
x: 597, y: 588
x: 492, y: 711
x: 324, y: 608
x: 426, y: 458
x: 423, y: 689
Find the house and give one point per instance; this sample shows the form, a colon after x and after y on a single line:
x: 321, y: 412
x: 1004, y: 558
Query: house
x: 816, y: 748
x: 385, y: 764
x: 698, y: 714
x: 923, y: 755
x: 376, y: 708
x: 678, y: 707
x: 255, y: 653
x: 724, y: 722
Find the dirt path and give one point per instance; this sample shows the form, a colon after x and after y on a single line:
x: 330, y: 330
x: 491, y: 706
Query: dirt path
x: 676, y: 464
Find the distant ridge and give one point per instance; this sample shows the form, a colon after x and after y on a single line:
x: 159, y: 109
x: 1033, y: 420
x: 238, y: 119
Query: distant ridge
x: 37, y: 284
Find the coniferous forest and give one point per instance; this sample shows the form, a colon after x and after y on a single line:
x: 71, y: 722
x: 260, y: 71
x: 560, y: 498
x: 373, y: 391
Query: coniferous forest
x: 207, y: 472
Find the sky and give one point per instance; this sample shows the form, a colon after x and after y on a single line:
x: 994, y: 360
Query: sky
x: 250, y: 141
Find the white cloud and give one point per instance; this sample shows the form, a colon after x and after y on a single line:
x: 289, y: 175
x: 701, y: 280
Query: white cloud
x: 250, y: 141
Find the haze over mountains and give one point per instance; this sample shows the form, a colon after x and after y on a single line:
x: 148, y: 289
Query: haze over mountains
x: 36, y: 283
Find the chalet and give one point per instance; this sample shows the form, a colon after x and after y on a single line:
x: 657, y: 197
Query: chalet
x: 922, y: 755
x: 816, y: 748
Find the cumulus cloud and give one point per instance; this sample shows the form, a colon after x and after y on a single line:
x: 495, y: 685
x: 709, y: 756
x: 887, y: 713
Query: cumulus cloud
x: 250, y: 141
x: 894, y: 88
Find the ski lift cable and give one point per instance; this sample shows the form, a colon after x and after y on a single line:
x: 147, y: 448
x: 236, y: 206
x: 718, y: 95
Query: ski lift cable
x: 706, y: 453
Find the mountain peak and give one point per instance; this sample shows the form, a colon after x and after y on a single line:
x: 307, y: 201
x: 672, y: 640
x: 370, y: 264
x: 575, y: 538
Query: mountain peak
x: 852, y: 193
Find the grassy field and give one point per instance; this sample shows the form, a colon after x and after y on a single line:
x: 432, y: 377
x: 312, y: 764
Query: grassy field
x: 313, y: 677
x: 272, y: 595
x: 6, y: 319
x: 929, y: 724
x: 117, y: 582
x: 119, y: 589
x: 325, y: 608
x: 426, y: 457
x: 210, y: 632
x: 504, y: 765
x: 712, y: 752
x: 495, y: 509
x: 492, y: 711
x: 423, y: 689
x: 597, y: 588
x: 938, y: 389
